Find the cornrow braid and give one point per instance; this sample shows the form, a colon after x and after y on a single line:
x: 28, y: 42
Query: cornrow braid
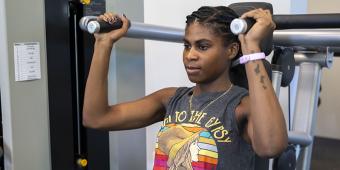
x: 218, y: 19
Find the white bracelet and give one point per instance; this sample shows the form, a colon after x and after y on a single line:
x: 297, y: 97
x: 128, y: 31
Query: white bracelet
x: 246, y: 58
x: 250, y: 57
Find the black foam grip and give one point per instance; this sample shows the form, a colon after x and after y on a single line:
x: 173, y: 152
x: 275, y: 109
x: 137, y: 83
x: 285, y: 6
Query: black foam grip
x: 250, y: 22
x: 107, y: 27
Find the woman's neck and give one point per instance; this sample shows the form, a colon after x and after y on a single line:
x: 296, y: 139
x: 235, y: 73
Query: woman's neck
x: 216, y: 86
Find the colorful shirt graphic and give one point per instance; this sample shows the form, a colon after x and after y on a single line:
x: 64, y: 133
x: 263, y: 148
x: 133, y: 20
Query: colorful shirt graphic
x: 185, y: 146
x: 192, y: 139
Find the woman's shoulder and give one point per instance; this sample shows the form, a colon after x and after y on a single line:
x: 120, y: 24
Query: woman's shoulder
x: 240, y: 89
x: 166, y: 94
x: 173, y: 90
x: 176, y: 90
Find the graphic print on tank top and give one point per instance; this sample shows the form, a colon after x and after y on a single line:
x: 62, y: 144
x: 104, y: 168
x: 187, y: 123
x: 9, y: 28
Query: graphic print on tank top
x: 202, y: 139
x: 185, y: 147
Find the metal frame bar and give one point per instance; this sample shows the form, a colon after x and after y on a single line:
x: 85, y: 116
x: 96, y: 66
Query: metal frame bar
x: 323, y: 59
x: 298, y: 37
x: 306, y: 107
x: 303, y: 37
x: 307, y: 37
x: 299, y: 138
x: 304, y: 121
x: 155, y: 32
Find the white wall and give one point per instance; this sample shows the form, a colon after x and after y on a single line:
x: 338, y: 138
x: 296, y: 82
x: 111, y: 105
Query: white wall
x: 329, y: 111
x: 163, y: 61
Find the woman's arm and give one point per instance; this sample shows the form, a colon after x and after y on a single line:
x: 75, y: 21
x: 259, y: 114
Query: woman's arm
x: 96, y: 111
x: 266, y: 124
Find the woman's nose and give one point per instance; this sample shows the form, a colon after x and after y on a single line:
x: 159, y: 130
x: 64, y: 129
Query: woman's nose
x: 191, y: 54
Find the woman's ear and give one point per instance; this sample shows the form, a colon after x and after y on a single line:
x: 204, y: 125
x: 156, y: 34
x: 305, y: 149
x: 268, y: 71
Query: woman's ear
x: 233, y: 50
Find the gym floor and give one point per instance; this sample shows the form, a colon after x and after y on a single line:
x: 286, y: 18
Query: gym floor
x: 326, y: 154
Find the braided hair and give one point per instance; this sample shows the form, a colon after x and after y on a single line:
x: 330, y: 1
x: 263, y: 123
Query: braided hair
x: 218, y: 19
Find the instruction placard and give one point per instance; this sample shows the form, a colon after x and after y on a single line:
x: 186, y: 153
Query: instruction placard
x: 27, y: 61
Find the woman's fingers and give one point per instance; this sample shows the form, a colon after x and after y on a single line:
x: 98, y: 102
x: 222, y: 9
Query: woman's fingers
x: 108, y: 17
x: 252, y: 14
x: 115, y: 34
x: 126, y: 22
x: 257, y: 14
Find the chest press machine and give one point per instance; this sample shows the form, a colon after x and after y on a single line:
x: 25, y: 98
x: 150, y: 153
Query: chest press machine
x: 309, y: 45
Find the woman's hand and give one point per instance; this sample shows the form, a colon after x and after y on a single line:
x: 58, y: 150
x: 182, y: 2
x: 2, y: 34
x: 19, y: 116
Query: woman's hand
x: 250, y: 42
x: 114, y: 35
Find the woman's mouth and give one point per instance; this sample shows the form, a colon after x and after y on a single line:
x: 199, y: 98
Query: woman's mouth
x: 193, y: 69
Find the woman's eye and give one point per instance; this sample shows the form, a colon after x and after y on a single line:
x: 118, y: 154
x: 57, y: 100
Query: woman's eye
x: 203, y: 47
x: 187, y: 46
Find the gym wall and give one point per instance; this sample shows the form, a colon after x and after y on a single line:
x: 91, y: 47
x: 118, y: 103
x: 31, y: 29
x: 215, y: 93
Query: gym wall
x: 328, y: 115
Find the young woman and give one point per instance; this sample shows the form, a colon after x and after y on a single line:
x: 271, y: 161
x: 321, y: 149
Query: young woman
x: 213, y: 125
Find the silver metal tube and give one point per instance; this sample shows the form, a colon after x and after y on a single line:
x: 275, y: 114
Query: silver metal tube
x: 324, y: 59
x: 307, y: 37
x: 79, y: 151
x: 155, y: 32
x: 302, y: 37
x: 143, y: 31
x: 299, y: 138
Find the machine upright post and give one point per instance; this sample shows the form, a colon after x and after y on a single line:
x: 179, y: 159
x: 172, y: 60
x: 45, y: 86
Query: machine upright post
x: 306, y: 108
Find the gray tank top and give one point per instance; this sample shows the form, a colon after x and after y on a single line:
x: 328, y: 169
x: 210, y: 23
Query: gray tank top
x: 190, y: 139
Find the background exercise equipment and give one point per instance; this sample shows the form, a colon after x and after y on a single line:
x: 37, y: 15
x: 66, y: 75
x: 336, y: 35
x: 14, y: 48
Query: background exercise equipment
x: 68, y: 57
x: 283, y: 60
x: 287, y: 160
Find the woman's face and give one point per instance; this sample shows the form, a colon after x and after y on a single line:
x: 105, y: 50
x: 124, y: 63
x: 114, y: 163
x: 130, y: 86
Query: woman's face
x: 205, y: 56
